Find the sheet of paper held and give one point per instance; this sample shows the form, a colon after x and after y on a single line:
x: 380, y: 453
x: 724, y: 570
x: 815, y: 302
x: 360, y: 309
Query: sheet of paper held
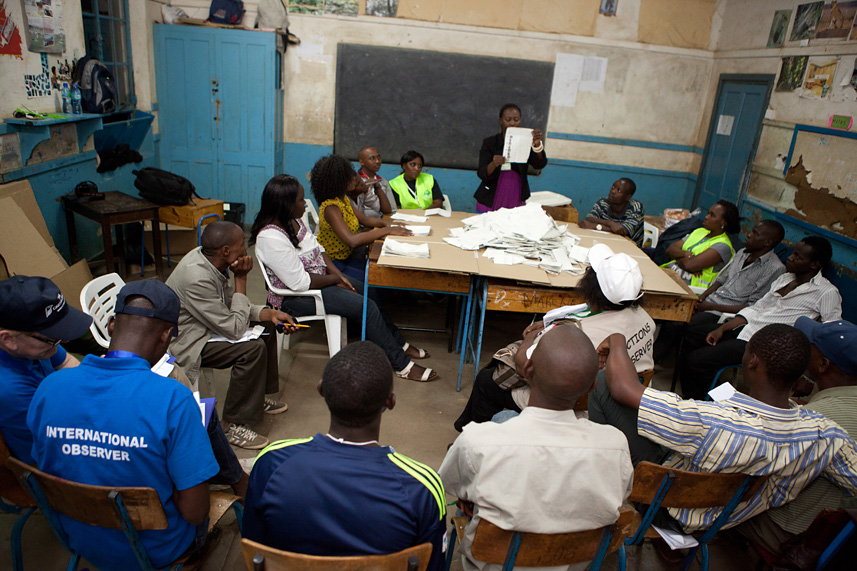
x: 722, y: 392
x: 675, y: 539
x: 165, y: 365
x: 516, y: 147
x: 249, y: 335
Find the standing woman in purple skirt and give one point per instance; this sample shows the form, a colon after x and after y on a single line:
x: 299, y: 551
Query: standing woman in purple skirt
x: 504, y: 185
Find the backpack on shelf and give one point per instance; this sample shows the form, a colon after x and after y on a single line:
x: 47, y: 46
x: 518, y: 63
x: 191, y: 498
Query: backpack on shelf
x: 163, y: 187
x: 226, y: 12
x: 97, y: 89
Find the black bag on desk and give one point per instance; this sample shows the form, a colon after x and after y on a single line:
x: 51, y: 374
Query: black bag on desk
x: 163, y: 187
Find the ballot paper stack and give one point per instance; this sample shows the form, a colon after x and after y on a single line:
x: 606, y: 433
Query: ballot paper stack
x: 404, y: 249
x: 523, y: 235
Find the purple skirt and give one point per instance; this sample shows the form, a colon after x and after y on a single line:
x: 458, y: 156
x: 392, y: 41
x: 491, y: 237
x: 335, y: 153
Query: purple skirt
x: 508, y: 194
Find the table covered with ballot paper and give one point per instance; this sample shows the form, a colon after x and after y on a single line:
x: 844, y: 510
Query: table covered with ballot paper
x: 510, y: 260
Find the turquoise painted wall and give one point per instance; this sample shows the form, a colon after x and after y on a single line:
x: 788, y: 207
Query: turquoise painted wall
x: 53, y: 179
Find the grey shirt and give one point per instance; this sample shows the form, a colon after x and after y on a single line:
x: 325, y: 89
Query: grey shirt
x: 746, y: 285
x: 209, y: 306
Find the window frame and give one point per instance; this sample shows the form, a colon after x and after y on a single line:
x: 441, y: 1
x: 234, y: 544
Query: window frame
x: 130, y: 100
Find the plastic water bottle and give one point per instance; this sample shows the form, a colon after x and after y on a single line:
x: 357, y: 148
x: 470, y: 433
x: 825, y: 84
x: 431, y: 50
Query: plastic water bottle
x: 66, y: 98
x: 75, y: 100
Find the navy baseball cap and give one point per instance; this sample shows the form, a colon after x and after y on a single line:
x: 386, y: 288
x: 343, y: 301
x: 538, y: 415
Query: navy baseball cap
x: 36, y: 305
x: 166, y: 302
x: 835, y: 339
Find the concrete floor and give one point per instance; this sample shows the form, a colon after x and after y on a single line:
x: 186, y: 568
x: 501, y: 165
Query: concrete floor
x: 420, y: 426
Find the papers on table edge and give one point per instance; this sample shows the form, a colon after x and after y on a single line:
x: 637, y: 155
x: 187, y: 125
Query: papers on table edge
x: 408, y: 217
x: 419, y: 230
x: 249, y: 335
x: 404, y: 249
x: 439, y: 212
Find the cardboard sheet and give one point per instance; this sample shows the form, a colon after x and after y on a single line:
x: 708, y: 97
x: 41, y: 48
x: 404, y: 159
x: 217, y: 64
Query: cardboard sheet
x: 22, y: 193
x: 442, y: 258
x: 519, y: 272
x: 23, y: 247
x: 71, y: 281
x: 685, y: 24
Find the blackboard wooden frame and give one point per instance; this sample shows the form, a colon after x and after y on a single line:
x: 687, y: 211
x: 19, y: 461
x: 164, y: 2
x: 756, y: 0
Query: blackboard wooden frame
x: 441, y: 104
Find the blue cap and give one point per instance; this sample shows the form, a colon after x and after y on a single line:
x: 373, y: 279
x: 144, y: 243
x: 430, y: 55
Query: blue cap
x: 35, y: 304
x: 165, y: 301
x: 835, y: 339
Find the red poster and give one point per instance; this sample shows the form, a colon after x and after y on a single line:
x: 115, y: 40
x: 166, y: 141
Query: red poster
x: 10, y: 35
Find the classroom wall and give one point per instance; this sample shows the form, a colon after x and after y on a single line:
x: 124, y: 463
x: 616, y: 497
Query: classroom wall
x: 741, y: 48
x: 645, y: 124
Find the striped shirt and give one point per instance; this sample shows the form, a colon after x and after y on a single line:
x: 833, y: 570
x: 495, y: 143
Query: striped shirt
x: 742, y: 284
x: 816, y: 298
x: 741, y: 434
x: 631, y: 218
x: 839, y: 404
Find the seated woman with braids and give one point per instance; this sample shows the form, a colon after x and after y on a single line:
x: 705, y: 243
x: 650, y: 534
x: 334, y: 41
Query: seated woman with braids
x: 331, y: 179
x: 612, y: 287
x: 294, y: 260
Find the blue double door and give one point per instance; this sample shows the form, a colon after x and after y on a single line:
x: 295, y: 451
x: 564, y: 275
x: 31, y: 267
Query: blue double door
x: 220, y: 109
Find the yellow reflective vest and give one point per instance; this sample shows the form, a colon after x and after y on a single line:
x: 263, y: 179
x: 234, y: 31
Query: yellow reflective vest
x: 407, y: 201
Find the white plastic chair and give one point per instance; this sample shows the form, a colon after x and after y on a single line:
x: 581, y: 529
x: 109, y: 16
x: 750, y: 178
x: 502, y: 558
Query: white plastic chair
x: 651, y: 232
x: 98, y: 299
x: 310, y: 217
x: 447, y: 205
x: 335, y: 326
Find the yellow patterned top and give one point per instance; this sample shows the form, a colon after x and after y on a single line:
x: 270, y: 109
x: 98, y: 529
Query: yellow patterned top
x: 335, y: 248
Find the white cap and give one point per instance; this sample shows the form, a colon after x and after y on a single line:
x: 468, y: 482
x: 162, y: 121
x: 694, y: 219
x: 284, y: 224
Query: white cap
x: 618, y: 274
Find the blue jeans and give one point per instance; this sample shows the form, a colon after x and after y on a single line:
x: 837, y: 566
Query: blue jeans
x: 353, y: 266
x: 380, y: 329
x: 230, y: 470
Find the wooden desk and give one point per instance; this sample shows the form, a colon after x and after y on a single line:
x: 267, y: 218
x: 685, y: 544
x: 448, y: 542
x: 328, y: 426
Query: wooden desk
x: 116, y: 208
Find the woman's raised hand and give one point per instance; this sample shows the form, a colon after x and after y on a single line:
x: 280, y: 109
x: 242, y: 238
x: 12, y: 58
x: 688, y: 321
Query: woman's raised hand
x: 399, y: 231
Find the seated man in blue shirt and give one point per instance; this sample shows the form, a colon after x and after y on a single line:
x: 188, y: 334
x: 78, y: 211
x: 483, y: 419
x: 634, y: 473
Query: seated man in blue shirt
x: 34, y: 319
x: 113, y: 422
x: 342, y: 493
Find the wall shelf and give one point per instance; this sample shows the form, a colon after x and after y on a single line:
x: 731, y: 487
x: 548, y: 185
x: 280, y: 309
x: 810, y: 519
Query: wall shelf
x: 31, y: 132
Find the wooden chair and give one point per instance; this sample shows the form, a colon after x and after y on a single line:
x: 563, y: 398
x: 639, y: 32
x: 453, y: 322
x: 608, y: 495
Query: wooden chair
x: 508, y: 548
x: 658, y: 486
x: 263, y: 558
x: 15, y: 500
x: 129, y: 509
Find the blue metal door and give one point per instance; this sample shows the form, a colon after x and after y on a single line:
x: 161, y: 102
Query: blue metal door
x: 185, y: 75
x: 217, y: 110
x: 732, y: 138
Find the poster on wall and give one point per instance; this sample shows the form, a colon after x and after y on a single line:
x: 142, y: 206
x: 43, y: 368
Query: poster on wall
x: 779, y: 27
x: 791, y: 73
x: 836, y: 19
x: 340, y: 7
x: 43, y: 19
x: 807, y: 17
x: 384, y: 8
x: 608, y: 7
x: 819, y: 76
x: 10, y: 35
x: 39, y: 85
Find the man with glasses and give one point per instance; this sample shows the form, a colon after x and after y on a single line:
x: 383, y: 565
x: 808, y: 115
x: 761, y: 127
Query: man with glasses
x: 34, y: 320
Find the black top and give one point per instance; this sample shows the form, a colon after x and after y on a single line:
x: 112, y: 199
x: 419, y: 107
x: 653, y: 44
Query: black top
x: 491, y: 146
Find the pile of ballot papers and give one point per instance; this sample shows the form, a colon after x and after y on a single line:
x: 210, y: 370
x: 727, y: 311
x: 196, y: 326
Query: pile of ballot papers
x: 523, y: 235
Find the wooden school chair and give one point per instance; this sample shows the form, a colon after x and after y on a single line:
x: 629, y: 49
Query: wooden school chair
x: 15, y: 500
x: 658, y: 486
x: 130, y: 509
x: 260, y: 557
x: 509, y: 548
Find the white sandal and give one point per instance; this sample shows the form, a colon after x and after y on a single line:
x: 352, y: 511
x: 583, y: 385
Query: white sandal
x: 422, y: 352
x: 428, y: 374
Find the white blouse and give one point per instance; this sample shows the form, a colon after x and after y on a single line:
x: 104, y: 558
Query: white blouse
x: 279, y: 255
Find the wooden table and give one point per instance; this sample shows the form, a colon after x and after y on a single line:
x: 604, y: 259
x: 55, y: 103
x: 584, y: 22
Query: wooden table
x: 116, y: 208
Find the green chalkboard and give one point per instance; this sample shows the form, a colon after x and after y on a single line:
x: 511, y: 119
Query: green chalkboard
x: 438, y: 103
